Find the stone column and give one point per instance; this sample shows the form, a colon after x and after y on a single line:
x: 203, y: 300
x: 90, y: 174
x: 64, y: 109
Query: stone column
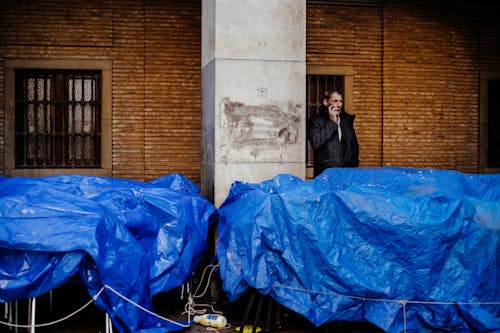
x: 253, y: 92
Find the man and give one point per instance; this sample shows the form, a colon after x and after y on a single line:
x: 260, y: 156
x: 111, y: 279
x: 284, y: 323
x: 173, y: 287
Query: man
x: 331, y: 134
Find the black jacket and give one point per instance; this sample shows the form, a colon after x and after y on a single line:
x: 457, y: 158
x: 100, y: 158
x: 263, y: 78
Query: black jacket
x: 322, y: 133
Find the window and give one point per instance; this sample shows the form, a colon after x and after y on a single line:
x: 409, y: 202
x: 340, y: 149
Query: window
x: 317, y: 85
x: 489, y: 134
x: 319, y: 80
x: 58, y: 117
x: 493, y: 123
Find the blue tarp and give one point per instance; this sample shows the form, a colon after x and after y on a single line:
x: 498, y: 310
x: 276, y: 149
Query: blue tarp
x: 383, y: 245
x: 138, y: 238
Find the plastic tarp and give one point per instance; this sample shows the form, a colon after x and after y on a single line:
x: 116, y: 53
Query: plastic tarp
x: 402, y: 248
x: 138, y: 238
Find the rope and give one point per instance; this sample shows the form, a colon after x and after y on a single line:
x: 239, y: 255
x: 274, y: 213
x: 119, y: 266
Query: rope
x: 208, y: 280
x: 96, y: 296
x: 399, y: 301
x: 190, y: 307
x: 403, y: 302
x: 146, y: 310
x: 58, y: 320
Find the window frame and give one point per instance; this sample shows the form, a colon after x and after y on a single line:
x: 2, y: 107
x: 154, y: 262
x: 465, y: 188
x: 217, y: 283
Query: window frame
x: 106, y: 134
x: 484, y: 77
x: 348, y: 73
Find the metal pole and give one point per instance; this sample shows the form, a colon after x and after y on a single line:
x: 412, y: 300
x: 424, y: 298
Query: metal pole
x: 33, y: 310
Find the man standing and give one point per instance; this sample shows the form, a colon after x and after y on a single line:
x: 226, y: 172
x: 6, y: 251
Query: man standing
x: 332, y: 136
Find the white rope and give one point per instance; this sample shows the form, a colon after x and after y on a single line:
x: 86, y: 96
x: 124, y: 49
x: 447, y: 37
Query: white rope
x: 399, y: 301
x: 208, y: 280
x: 146, y: 310
x: 58, y: 320
x: 90, y: 302
x: 403, y: 302
x: 191, y: 305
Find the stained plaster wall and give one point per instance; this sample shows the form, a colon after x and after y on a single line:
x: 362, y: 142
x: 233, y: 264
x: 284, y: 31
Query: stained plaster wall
x: 253, y: 69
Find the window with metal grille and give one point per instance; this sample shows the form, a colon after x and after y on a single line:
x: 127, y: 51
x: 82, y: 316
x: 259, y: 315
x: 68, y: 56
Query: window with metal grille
x: 57, y: 118
x: 316, y: 87
x: 493, y: 123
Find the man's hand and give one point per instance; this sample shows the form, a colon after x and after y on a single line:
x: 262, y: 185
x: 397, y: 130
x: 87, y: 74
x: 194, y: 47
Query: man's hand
x: 333, y: 113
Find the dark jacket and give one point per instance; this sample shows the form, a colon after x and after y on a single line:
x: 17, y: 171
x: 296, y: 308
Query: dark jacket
x: 322, y: 133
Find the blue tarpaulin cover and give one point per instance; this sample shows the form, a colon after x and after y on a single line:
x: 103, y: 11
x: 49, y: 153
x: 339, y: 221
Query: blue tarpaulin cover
x: 138, y: 238
x: 398, y: 247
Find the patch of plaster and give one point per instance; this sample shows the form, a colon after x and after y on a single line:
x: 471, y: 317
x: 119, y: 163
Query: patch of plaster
x: 262, y: 127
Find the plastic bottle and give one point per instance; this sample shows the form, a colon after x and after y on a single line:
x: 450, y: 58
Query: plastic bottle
x: 212, y: 320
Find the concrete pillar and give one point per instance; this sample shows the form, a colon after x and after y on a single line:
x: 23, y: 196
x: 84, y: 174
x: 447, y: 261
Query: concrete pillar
x: 253, y: 91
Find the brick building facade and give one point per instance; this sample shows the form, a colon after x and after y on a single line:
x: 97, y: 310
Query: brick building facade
x: 416, y: 77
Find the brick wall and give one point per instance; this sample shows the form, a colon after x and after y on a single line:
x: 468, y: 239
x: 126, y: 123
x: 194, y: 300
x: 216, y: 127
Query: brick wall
x: 173, y: 88
x: 415, y: 73
x: 430, y: 80
x: 155, y: 47
x: 129, y: 90
x: 350, y: 34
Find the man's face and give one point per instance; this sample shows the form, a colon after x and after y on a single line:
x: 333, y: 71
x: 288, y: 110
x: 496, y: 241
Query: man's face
x: 336, y: 100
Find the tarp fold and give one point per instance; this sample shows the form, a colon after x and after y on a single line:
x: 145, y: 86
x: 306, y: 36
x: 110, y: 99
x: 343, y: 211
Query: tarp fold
x: 139, y: 238
x: 379, y: 245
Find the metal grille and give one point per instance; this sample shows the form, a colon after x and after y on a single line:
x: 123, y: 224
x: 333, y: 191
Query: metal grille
x: 317, y: 86
x: 58, y: 118
x: 493, y: 123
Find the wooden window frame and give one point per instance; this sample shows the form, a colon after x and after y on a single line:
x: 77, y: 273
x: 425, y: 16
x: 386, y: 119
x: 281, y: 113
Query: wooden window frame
x: 106, y: 134
x: 348, y: 73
